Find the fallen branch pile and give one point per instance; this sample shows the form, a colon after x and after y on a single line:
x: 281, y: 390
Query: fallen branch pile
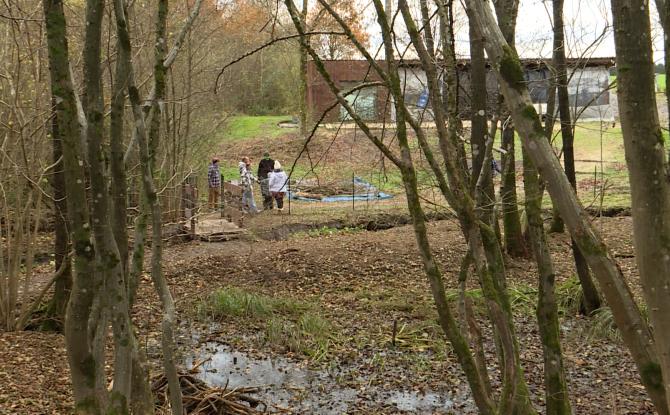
x: 201, y: 399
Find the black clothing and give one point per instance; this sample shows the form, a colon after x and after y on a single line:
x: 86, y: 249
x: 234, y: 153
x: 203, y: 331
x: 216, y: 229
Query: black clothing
x: 265, y: 167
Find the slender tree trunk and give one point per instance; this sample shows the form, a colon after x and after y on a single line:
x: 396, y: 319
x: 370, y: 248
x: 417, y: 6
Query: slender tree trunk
x: 478, y: 94
x: 63, y: 285
x: 627, y: 316
x: 590, y: 299
x: 85, y: 280
x: 303, y: 77
x: 515, y: 244
x: 482, y: 240
x: 117, y: 166
x: 556, y: 390
x: 647, y: 166
x: 141, y: 401
x: 115, y: 296
x: 151, y: 198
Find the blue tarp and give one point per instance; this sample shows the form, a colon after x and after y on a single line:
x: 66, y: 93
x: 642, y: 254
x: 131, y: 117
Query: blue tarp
x: 369, y: 193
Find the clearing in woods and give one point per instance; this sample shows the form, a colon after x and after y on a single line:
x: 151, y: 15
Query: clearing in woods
x: 328, y: 308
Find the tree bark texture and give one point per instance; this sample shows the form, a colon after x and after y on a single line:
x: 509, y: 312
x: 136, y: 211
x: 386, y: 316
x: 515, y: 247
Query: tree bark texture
x: 63, y: 285
x: 628, y: 318
x: 590, y: 299
x: 151, y: 197
x: 85, y: 281
x: 556, y: 389
x: 515, y: 244
x: 115, y: 296
x: 304, y: 116
x: 648, y: 171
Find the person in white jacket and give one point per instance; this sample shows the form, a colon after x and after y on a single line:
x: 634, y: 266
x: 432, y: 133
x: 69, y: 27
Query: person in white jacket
x: 278, y: 185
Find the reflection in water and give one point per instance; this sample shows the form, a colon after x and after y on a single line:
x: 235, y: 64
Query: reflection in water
x: 285, y: 384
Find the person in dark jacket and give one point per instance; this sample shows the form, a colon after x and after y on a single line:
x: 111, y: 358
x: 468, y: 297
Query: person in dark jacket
x: 265, y: 166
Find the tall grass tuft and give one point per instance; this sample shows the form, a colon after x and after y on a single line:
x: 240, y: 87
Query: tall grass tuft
x: 235, y: 302
x: 569, y: 296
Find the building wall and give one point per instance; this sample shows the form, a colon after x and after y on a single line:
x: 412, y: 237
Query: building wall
x: 587, y: 88
x: 345, y: 74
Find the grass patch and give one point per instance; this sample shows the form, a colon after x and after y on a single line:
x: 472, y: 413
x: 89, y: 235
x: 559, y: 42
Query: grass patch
x: 289, y: 324
x: 569, y: 296
x: 237, y: 303
x: 603, y: 326
x: 419, y: 337
x: 310, y: 335
x: 327, y: 231
x: 244, y: 127
x: 661, y: 82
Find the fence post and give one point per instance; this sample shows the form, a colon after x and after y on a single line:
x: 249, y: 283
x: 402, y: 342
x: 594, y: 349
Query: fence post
x: 221, y: 198
x: 353, y: 191
x: 189, y: 196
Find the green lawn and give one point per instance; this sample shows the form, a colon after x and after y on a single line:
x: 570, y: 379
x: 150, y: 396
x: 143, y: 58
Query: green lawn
x: 242, y: 127
x: 247, y: 127
x: 594, y: 143
x: 660, y: 80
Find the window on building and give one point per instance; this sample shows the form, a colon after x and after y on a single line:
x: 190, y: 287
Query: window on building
x: 363, y: 101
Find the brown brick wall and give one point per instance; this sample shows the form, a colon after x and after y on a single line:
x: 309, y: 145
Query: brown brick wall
x: 345, y: 73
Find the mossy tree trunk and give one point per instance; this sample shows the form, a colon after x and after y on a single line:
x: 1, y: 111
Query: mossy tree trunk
x: 141, y: 398
x: 58, y: 302
x: 114, y: 300
x: 515, y: 244
x: 86, y: 281
x: 590, y: 299
x: 647, y: 163
x: 634, y: 329
x: 556, y: 389
x: 478, y: 93
x: 152, y: 202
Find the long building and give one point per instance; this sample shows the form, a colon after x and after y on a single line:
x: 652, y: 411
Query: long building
x: 588, y: 87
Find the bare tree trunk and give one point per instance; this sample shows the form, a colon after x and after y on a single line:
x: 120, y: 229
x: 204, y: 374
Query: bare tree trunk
x: 556, y: 390
x: 85, y: 280
x: 648, y: 169
x: 117, y: 165
x: 515, y: 244
x: 478, y: 94
x: 153, y: 203
x: 591, y: 299
x: 141, y: 400
x: 63, y: 285
x: 115, y: 297
x: 303, y: 77
x: 628, y: 318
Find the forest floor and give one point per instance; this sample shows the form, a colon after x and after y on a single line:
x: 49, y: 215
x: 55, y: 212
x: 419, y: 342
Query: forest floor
x: 308, y: 313
x: 328, y: 308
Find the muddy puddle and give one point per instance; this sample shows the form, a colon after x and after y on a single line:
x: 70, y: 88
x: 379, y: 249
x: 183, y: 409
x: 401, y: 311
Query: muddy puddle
x: 288, y: 386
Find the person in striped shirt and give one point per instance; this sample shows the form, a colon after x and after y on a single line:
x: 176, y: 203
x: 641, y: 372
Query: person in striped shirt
x: 214, y: 183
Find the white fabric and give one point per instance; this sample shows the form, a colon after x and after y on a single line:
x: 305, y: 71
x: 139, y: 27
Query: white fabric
x: 278, y: 181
